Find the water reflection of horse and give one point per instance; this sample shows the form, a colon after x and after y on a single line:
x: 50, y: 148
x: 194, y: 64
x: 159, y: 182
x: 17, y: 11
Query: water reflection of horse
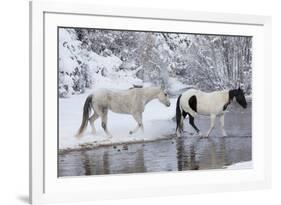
x: 130, y: 101
x: 193, y: 102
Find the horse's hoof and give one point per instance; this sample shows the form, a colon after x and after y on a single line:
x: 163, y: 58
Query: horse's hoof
x: 202, y: 135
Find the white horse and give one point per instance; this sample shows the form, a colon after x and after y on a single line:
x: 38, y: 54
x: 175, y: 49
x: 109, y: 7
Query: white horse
x: 193, y: 102
x: 130, y: 101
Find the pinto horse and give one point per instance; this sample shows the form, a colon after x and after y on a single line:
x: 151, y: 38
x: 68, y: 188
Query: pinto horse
x: 193, y: 102
x: 130, y: 101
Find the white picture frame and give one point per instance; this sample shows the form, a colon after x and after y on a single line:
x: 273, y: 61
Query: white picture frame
x: 46, y: 187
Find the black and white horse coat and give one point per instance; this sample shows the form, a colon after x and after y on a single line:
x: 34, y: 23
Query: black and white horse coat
x: 193, y: 102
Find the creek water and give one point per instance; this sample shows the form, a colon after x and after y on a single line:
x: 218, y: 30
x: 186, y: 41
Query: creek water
x: 188, y: 152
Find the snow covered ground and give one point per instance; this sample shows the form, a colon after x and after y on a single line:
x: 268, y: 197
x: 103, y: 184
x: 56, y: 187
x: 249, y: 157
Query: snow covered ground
x: 241, y: 165
x: 157, y: 120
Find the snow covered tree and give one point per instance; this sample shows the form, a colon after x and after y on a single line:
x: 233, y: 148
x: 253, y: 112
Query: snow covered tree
x: 95, y: 57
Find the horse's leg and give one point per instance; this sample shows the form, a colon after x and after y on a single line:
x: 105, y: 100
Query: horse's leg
x: 179, y: 117
x: 92, y: 120
x: 183, y: 116
x: 191, y: 122
x: 104, y: 122
x: 213, y: 120
x: 138, y: 118
x: 222, y: 125
x: 181, y: 123
x: 179, y: 128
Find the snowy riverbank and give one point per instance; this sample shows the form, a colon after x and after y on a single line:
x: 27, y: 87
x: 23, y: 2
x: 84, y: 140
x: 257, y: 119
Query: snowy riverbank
x: 241, y: 165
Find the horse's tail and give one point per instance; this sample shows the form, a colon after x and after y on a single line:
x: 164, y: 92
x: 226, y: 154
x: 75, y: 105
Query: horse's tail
x: 178, y: 114
x: 86, y: 113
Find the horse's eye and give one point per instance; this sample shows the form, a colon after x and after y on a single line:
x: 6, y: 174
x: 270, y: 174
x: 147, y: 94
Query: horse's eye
x: 165, y: 94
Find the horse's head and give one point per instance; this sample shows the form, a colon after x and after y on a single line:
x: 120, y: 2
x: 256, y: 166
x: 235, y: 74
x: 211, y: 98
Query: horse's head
x: 240, y: 97
x: 164, y: 98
